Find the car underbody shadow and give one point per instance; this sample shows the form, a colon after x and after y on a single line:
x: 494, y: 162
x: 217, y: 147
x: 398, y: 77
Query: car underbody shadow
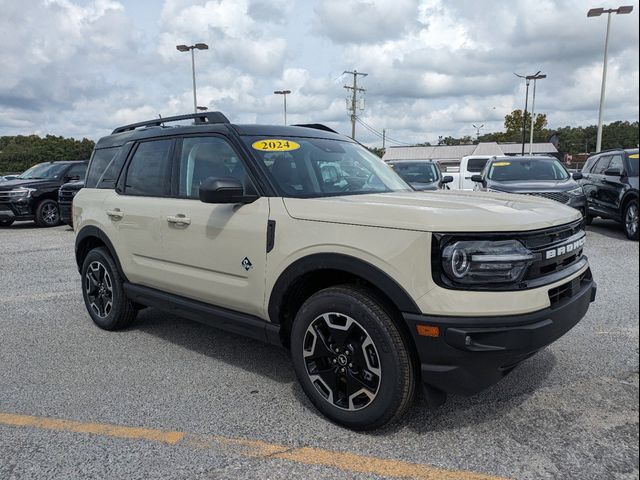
x: 242, y: 352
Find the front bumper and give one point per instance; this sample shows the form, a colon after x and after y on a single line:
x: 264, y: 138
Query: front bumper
x: 66, y: 212
x: 470, y: 354
x: 16, y: 210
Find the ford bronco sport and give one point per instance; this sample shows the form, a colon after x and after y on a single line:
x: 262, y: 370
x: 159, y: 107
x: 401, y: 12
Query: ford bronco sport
x: 374, y: 287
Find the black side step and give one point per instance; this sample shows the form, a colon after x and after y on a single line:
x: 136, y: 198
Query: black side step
x: 225, y: 319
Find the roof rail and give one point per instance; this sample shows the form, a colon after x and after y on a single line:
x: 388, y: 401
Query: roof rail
x: 316, y: 126
x: 199, y: 119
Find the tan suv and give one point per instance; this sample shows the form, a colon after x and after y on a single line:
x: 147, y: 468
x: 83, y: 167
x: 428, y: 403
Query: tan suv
x: 300, y: 237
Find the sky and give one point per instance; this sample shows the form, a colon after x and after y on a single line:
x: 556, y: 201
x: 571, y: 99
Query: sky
x: 79, y: 68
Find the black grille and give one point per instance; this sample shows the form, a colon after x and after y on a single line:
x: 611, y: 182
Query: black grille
x: 569, y: 289
x: 561, y: 197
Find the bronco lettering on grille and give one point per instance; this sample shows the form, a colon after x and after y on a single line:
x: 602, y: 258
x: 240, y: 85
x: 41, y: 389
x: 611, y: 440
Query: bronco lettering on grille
x: 564, y: 249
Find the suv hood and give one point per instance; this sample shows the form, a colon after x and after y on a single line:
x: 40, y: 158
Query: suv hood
x: 28, y: 183
x: 439, y: 211
x: 535, y: 186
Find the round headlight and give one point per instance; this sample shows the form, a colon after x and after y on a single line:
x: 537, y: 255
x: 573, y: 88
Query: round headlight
x: 459, y: 263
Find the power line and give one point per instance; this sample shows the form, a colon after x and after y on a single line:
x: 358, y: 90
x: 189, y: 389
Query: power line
x: 381, y: 135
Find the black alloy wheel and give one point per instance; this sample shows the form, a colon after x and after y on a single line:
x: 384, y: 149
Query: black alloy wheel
x: 47, y: 214
x: 631, y: 220
x: 351, y: 358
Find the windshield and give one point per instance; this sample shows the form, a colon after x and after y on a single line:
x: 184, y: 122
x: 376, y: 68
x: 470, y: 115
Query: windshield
x: 527, y: 169
x: 44, y: 170
x: 633, y: 165
x: 314, y: 167
x: 423, y: 172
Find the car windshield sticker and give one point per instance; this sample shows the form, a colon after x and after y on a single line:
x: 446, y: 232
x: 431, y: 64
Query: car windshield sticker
x: 501, y: 164
x: 635, y: 155
x: 275, y: 145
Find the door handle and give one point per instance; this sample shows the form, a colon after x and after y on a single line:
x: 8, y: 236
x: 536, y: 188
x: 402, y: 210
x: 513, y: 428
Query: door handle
x: 115, y: 214
x: 179, y: 220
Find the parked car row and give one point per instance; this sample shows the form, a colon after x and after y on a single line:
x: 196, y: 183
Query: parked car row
x: 33, y: 195
x: 607, y: 186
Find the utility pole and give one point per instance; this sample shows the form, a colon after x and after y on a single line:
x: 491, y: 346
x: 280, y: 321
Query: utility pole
x: 354, y: 99
x: 284, y: 94
x: 384, y: 137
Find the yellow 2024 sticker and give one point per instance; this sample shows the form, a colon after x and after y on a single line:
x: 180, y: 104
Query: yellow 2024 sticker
x: 275, y: 145
x: 634, y: 155
x: 501, y: 164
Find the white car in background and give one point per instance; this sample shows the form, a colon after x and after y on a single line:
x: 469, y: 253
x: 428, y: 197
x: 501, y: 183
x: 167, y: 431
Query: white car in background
x: 469, y: 166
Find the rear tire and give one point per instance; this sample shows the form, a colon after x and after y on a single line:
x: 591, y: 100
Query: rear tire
x: 103, y: 293
x: 6, y: 223
x: 351, y: 359
x: 630, y: 220
x: 47, y: 214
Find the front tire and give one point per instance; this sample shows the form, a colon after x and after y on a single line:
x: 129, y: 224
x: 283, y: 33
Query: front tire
x: 6, y: 223
x: 103, y: 292
x: 630, y: 220
x: 351, y: 359
x: 588, y: 219
x: 47, y: 214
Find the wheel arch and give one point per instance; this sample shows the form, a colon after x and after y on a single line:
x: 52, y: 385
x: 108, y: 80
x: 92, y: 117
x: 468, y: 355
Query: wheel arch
x: 90, y: 237
x: 312, y: 273
x: 630, y: 195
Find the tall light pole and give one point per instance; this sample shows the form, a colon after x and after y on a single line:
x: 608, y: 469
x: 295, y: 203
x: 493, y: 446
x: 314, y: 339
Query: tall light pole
x: 596, y: 12
x: 186, y: 48
x: 478, y: 130
x: 527, y: 79
x: 533, y: 108
x: 284, y: 94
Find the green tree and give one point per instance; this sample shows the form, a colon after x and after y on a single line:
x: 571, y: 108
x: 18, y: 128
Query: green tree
x: 17, y: 153
x: 513, y: 122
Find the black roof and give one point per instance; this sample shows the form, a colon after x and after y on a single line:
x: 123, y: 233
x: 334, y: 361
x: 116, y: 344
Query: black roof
x: 216, y: 123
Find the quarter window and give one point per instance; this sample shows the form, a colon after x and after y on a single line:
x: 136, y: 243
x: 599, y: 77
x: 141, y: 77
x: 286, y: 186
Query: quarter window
x: 204, y: 157
x: 99, y: 163
x: 148, y: 172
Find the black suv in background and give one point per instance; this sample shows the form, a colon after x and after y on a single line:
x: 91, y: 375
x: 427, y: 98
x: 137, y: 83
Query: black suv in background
x: 34, y: 194
x: 610, y: 182
x: 65, y: 200
x: 537, y: 175
x: 420, y: 174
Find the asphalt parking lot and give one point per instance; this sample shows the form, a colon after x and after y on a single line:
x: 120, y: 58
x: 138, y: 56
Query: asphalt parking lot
x: 169, y: 398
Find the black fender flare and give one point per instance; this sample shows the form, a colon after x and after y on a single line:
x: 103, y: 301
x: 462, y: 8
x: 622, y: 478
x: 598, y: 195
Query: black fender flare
x: 90, y: 231
x: 348, y: 264
x: 628, y: 196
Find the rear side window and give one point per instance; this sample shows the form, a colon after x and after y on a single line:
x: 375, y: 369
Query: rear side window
x: 476, y: 164
x: 101, y: 160
x: 589, y: 165
x: 601, y: 166
x: 148, y: 173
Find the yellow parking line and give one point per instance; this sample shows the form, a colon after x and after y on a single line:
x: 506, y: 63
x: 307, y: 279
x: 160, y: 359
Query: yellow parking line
x: 348, y: 462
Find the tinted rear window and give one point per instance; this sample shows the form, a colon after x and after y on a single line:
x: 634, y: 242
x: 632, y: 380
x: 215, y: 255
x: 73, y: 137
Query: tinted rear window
x: 476, y: 164
x: 100, y: 162
x: 148, y: 172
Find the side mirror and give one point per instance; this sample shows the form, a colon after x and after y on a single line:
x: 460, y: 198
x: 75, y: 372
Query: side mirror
x: 223, y: 190
x: 577, y: 176
x: 477, y: 179
x: 613, y: 172
x: 447, y: 179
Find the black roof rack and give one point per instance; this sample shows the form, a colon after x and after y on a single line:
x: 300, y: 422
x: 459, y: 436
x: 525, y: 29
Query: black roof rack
x: 316, y: 126
x: 199, y: 119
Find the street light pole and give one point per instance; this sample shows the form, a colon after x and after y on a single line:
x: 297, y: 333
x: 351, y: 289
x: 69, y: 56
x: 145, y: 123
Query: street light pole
x: 187, y: 48
x: 533, y: 108
x: 596, y: 12
x: 528, y: 79
x: 284, y: 94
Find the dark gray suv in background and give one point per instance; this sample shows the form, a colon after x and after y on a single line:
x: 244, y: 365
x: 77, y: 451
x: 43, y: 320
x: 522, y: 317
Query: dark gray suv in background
x: 535, y: 175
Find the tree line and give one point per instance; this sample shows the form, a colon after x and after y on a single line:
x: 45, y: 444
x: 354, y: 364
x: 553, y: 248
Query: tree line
x: 569, y: 140
x: 18, y: 153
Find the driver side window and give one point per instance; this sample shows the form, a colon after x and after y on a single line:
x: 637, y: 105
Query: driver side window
x: 204, y: 157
